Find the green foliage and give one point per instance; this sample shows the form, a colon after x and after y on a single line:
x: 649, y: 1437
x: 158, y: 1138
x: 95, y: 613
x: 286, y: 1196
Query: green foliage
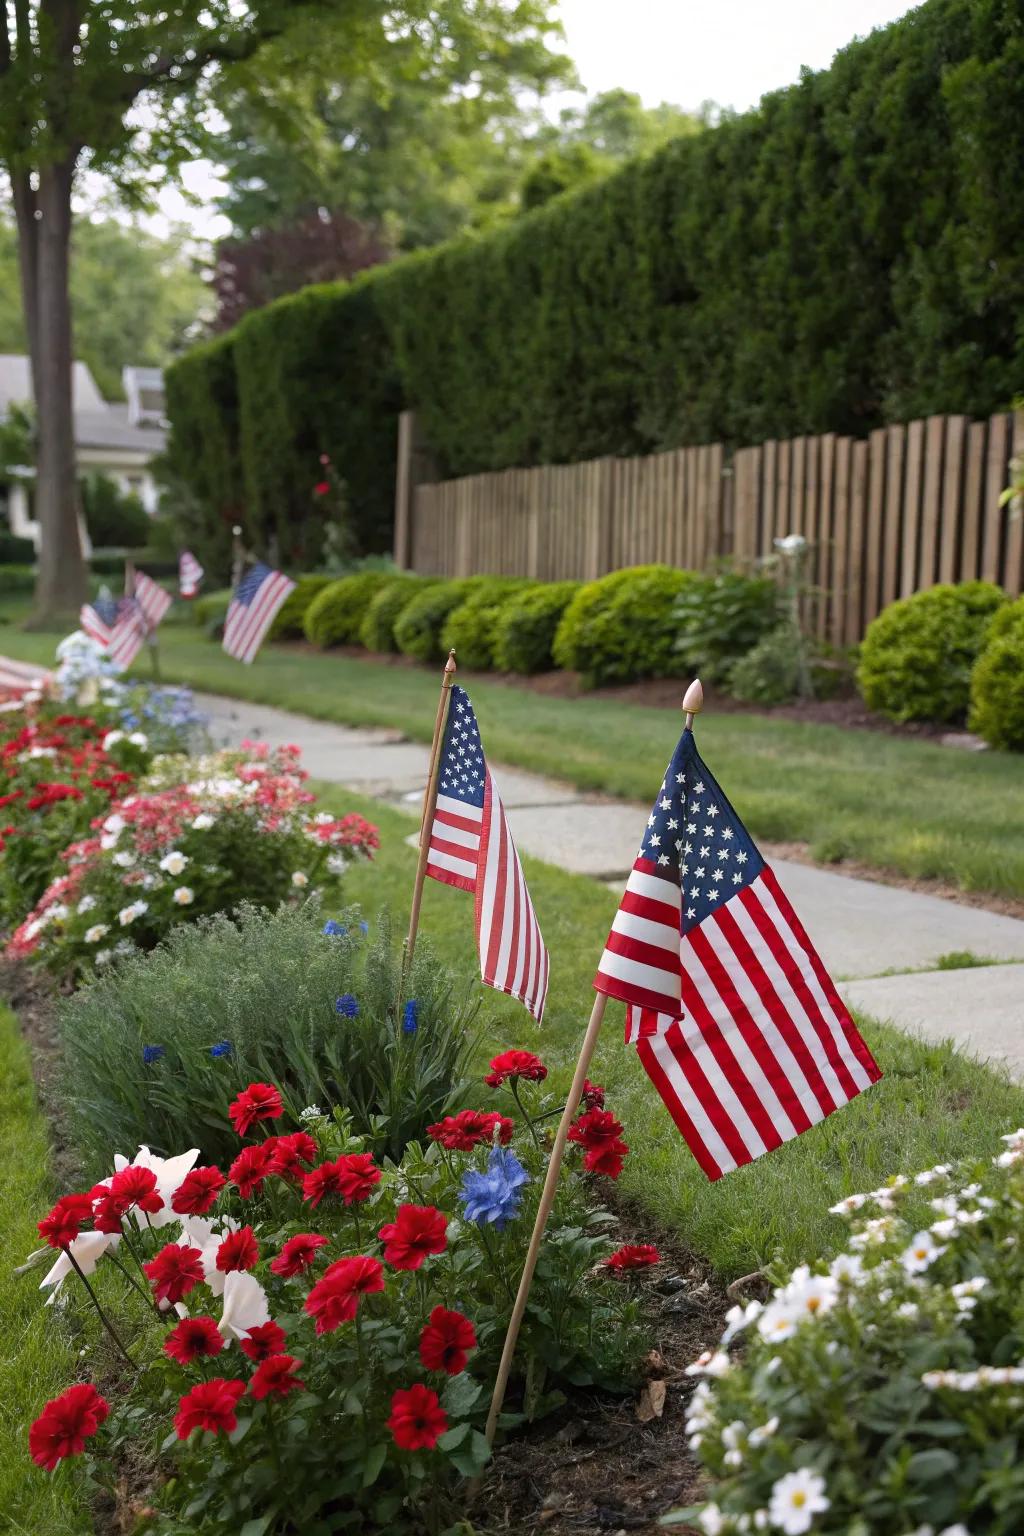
x: 377, y: 631
x: 210, y: 611
x: 469, y: 628
x: 770, y: 671
x: 719, y: 618
x: 916, y: 658
x: 997, y: 681
x: 15, y: 551
x: 288, y: 625
x: 115, y: 519
x: 203, y: 462
x: 418, y: 627
x: 621, y: 627
x: 337, y: 611
x: 524, y: 631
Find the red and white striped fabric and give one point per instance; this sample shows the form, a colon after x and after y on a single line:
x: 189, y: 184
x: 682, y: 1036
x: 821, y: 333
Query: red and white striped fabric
x: 733, y: 1014
x: 253, y: 609
x: 118, y: 627
x: 151, y: 598
x: 471, y: 847
x: 190, y: 574
x: 18, y: 677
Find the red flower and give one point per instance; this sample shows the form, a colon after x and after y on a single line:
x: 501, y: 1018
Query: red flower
x: 289, y: 1151
x: 417, y: 1230
x: 262, y: 1341
x: 633, y: 1256
x: 250, y: 1168
x: 596, y: 1128
x: 511, y: 1065
x: 607, y: 1158
x: 445, y: 1340
x: 297, y: 1254
x: 198, y: 1191
x: 275, y: 1377
x: 335, y: 1298
x: 210, y: 1406
x: 65, y: 1424
x: 64, y: 1222
x: 239, y: 1250
x: 175, y: 1271
x: 321, y: 488
x: 106, y: 1215
x: 461, y: 1132
x: 593, y: 1094
x: 260, y: 1101
x: 192, y: 1337
x: 357, y: 1174
x: 135, y: 1186
x: 417, y: 1419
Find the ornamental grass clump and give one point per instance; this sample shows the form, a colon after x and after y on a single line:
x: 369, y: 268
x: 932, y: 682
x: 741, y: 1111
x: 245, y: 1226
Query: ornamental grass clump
x: 882, y: 1395
x: 310, y: 1334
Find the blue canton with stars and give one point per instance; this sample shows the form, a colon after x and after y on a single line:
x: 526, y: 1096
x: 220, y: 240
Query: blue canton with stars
x: 251, y: 583
x: 694, y: 836
x: 462, y: 757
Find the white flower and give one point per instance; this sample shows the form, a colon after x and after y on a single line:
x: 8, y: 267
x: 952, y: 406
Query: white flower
x: 111, y: 739
x: 970, y: 1287
x: 778, y: 1320
x: 108, y: 841
x: 203, y: 822
x: 734, y: 1438
x: 311, y: 1112
x: 245, y: 1305
x: 323, y: 819
x: 738, y: 1318
x: 300, y: 879
x: 710, y: 1363
x: 57, y: 913
x: 847, y: 1268
x: 945, y: 1228
x: 764, y: 1432
x: 87, y: 1251
x: 96, y: 932
x: 792, y: 544
x: 125, y: 859
x: 337, y: 863
x: 184, y: 896
x: 711, y: 1520
x: 173, y: 863
x: 955, y: 1530
x: 169, y: 1173
x: 114, y: 823
x: 848, y: 1205
x: 103, y: 957
x: 908, y: 1310
x: 139, y: 739
x: 86, y: 904
x: 874, y: 1231
x: 796, y: 1499
x: 815, y: 1294
x: 130, y: 913
x: 43, y: 752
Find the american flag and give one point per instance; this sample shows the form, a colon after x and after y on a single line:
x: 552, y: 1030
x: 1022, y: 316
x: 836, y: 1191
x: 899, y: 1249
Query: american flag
x: 471, y: 847
x: 117, y: 625
x: 252, y: 610
x: 18, y: 677
x: 151, y: 598
x: 733, y: 1014
x: 190, y: 574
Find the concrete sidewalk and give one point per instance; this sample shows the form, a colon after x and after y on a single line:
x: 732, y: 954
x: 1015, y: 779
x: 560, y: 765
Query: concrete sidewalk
x: 863, y: 931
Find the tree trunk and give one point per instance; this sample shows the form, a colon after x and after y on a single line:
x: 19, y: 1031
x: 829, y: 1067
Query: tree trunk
x: 61, y: 584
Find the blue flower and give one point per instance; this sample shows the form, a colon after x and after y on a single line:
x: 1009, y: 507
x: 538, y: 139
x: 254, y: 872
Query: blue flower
x: 494, y: 1196
x: 222, y: 1048
x: 151, y: 1053
x: 364, y: 926
x: 334, y: 929
x: 347, y: 1005
x: 411, y: 1017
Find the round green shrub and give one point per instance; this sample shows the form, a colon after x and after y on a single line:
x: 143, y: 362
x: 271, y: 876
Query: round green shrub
x: 770, y: 671
x: 997, y: 682
x: 721, y: 618
x: 916, y: 658
x: 524, y: 631
x: 335, y: 614
x: 469, y: 628
x: 620, y: 627
x: 292, y: 612
x: 377, y: 630
x: 419, y: 625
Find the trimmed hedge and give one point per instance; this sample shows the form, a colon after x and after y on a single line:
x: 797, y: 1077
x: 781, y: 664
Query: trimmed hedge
x: 470, y: 627
x: 621, y: 626
x: 997, y: 681
x: 418, y: 627
x: 204, y: 452
x: 377, y: 631
x: 15, y: 550
x: 336, y: 612
x: 524, y: 630
x: 290, y: 620
x: 916, y: 658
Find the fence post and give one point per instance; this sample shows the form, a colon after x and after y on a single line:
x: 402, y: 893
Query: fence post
x: 414, y: 465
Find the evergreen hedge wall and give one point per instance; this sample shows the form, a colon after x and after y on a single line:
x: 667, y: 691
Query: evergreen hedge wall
x: 851, y: 252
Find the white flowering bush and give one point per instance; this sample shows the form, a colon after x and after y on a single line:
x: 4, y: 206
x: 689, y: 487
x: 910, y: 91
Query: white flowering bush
x: 882, y: 1395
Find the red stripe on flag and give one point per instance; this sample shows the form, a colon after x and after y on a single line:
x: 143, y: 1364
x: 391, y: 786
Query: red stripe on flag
x: 742, y: 1087
x: 674, y: 1104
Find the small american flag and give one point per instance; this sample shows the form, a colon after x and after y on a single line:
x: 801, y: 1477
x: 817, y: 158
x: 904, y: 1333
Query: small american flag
x: 252, y: 610
x: 117, y: 625
x: 151, y: 598
x: 471, y: 847
x: 18, y: 677
x: 190, y: 574
x: 733, y: 1014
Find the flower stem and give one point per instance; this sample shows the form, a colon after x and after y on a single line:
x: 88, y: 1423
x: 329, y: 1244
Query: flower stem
x: 513, y: 1084
x: 147, y: 1296
x: 104, y: 1319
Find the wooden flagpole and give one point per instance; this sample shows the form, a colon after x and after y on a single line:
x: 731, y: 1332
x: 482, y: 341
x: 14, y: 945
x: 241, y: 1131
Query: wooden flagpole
x: 427, y: 816
x: 693, y: 702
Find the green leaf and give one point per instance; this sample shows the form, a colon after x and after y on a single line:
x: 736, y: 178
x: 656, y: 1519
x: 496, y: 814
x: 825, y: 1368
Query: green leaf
x: 472, y: 1458
x: 257, y: 1526
x: 461, y: 1395
x: 453, y: 1437
x: 373, y: 1461
x: 927, y: 1466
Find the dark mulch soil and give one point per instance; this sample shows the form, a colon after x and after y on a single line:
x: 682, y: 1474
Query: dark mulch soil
x: 31, y: 995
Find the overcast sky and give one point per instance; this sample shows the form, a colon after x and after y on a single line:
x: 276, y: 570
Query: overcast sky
x: 683, y: 51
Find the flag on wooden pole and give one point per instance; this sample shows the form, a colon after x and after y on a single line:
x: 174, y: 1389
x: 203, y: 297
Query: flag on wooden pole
x: 257, y: 597
x: 116, y: 625
x: 151, y: 598
x: 20, y: 677
x: 190, y: 574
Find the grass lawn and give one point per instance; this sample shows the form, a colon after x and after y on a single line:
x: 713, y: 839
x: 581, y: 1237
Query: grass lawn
x: 897, y: 804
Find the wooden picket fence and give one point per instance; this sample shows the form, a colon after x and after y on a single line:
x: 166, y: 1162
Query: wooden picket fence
x: 909, y: 506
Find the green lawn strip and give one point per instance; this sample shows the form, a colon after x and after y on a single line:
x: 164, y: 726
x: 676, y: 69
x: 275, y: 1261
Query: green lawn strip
x: 932, y: 1106
x: 38, y: 1360
x: 892, y: 803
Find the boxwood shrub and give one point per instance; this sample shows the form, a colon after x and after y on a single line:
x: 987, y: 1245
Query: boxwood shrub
x: 997, y: 682
x: 524, y: 630
x: 621, y: 626
x: 916, y: 658
x: 336, y: 613
x: 292, y: 612
x: 418, y: 627
x: 377, y: 630
x: 470, y: 626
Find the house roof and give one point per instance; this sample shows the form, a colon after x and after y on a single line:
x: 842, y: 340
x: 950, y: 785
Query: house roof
x: 99, y: 423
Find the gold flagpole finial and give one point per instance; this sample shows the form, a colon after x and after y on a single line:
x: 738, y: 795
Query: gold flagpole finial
x: 693, y: 702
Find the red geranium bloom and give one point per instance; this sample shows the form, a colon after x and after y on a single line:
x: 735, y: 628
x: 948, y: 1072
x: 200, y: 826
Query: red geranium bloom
x: 325, y: 1180
x: 511, y: 1065
x: 417, y: 1230
x: 321, y: 488
x: 288, y: 1152
x: 250, y: 1168
x: 175, y: 1271
x: 65, y: 1424
x: 593, y: 1094
x: 192, y: 1337
x: 607, y: 1158
x: 633, y: 1256
x: 467, y: 1129
x: 264, y: 1340
x: 210, y: 1406
x: 106, y: 1214
x: 260, y: 1101
x: 275, y: 1377
x: 64, y: 1222
x: 239, y: 1250
x: 596, y: 1128
x: 335, y: 1298
x: 417, y: 1419
x: 135, y: 1186
x: 445, y: 1340
x: 297, y: 1254
x: 198, y: 1191
x: 357, y: 1174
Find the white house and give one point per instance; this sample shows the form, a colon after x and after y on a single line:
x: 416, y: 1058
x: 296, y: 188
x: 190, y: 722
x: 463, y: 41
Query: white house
x: 115, y: 438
